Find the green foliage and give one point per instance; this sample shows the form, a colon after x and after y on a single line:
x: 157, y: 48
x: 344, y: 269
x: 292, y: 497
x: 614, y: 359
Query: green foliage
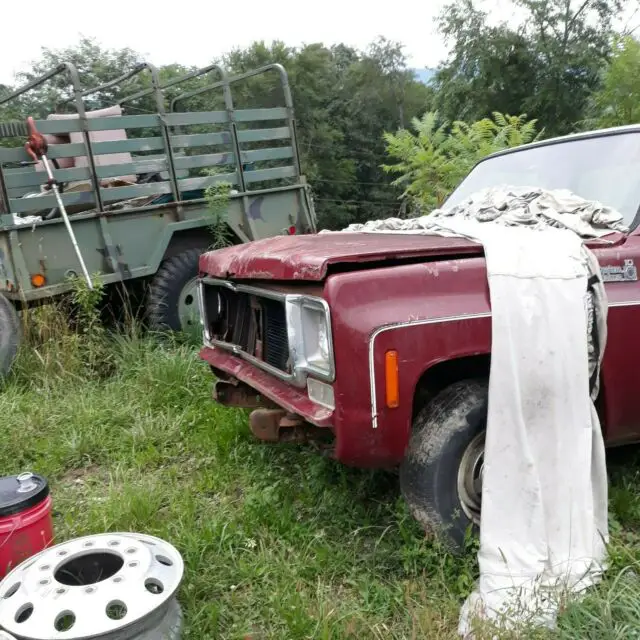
x: 217, y: 197
x: 86, y: 300
x: 548, y: 66
x: 87, y: 326
x: 344, y: 100
x: 553, y: 65
x: 490, y: 68
x: 141, y: 447
x: 431, y: 162
x: 95, y: 66
x: 618, y: 100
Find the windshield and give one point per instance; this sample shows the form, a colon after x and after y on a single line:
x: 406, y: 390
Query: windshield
x: 603, y: 168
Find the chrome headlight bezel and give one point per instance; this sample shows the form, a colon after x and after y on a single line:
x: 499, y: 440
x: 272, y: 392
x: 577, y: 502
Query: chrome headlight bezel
x: 298, y: 309
x: 306, y: 340
x: 203, y: 317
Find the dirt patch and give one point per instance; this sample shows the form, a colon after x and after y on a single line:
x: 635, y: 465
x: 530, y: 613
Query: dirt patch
x: 81, y: 476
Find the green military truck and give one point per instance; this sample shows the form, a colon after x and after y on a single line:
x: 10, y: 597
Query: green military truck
x: 134, y: 188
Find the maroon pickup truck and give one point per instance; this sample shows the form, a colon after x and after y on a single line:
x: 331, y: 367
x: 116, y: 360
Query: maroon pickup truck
x: 382, y: 342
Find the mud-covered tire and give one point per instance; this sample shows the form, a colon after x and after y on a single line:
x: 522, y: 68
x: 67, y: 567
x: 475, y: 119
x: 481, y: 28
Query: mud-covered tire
x: 442, y: 432
x: 168, y: 285
x: 9, y: 335
x: 169, y: 628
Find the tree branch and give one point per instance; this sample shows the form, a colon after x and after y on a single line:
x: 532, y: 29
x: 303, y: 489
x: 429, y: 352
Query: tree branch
x: 584, y: 5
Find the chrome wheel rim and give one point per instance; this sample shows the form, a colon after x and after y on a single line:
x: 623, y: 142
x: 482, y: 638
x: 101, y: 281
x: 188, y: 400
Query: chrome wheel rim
x: 470, y: 475
x: 93, y: 586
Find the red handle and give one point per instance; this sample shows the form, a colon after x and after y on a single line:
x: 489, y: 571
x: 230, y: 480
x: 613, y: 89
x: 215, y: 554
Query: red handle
x: 36, y: 144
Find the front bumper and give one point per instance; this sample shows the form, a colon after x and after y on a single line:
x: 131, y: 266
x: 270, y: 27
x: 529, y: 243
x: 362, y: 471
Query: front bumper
x: 292, y: 399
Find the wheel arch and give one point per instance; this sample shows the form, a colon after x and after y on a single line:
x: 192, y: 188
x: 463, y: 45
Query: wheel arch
x: 199, y: 238
x: 440, y: 375
x: 178, y: 237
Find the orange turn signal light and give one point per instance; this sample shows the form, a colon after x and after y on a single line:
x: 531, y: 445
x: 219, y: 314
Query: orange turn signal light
x: 392, y: 385
x: 38, y: 280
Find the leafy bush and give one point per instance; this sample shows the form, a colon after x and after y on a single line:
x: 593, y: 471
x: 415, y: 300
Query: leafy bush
x: 618, y: 100
x: 432, y: 161
x: 217, y: 196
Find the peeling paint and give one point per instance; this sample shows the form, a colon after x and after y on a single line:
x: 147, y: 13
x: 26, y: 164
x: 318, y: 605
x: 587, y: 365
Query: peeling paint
x: 308, y: 257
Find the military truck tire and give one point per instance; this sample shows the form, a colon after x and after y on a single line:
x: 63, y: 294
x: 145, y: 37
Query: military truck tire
x: 9, y: 335
x: 172, y: 293
x: 441, y: 474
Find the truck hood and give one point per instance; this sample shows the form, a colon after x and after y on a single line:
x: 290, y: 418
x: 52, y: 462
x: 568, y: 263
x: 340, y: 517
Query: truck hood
x: 309, y: 257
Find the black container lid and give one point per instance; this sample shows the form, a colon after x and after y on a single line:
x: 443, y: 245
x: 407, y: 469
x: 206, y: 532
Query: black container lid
x: 19, y: 493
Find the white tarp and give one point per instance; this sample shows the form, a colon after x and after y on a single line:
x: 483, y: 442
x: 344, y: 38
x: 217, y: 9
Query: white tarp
x: 544, y: 497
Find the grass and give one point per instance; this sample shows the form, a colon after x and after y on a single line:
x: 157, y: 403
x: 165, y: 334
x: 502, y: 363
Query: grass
x: 278, y: 541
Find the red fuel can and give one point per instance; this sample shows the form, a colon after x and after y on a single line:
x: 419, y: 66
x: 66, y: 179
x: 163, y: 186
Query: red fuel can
x: 26, y: 525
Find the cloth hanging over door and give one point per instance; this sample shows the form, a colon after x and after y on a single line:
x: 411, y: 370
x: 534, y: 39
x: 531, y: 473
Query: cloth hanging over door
x: 544, y: 498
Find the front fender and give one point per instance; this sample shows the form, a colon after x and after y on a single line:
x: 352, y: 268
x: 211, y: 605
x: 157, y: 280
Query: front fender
x: 429, y: 313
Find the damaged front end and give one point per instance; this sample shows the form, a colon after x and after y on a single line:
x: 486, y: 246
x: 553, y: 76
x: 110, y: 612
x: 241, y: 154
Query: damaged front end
x: 275, y: 340
x: 268, y: 422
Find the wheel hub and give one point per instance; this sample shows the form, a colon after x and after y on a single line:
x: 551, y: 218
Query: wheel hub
x: 188, y: 307
x: 470, y: 476
x: 96, y: 586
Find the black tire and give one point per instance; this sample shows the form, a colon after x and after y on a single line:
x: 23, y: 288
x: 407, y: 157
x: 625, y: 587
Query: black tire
x: 169, y: 628
x: 175, y: 273
x: 10, y: 334
x: 442, y: 431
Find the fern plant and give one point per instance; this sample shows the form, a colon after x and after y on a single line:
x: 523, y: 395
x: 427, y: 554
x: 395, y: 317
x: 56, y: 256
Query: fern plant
x: 431, y: 160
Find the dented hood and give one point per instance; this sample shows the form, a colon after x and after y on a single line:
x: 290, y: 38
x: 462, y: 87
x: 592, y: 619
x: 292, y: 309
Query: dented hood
x: 308, y: 257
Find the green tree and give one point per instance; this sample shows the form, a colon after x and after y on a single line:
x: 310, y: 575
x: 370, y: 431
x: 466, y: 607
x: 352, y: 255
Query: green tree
x: 344, y: 101
x: 95, y: 66
x: 315, y: 75
x: 572, y: 38
x: 618, y: 100
x: 431, y: 161
x: 378, y: 94
x: 548, y: 66
x: 489, y: 67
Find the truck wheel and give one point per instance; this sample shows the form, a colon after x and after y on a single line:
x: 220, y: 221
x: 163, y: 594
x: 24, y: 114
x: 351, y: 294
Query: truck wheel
x: 441, y: 475
x: 9, y: 335
x: 173, y: 300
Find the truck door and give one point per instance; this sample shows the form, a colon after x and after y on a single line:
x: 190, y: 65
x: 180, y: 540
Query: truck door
x: 619, y: 401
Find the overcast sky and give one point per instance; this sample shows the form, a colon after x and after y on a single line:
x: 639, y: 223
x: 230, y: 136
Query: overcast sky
x: 192, y: 32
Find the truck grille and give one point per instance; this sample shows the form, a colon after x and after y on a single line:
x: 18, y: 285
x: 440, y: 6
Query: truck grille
x: 255, y: 324
x: 276, y: 341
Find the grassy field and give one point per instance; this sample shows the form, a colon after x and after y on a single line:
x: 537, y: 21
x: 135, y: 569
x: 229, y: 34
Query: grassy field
x: 278, y: 542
